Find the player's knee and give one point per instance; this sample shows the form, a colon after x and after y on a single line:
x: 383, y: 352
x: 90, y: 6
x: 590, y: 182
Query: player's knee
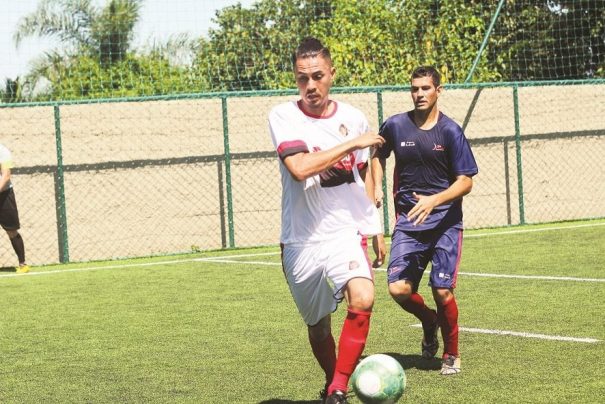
x: 400, y: 291
x: 361, y: 299
x: 442, y: 295
x: 12, y: 233
x: 360, y: 294
x: 364, y: 302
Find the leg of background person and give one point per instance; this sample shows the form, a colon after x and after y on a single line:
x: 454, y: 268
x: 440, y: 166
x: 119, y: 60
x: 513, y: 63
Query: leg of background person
x: 17, y: 243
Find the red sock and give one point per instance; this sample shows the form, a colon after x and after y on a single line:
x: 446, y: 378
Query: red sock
x: 415, y: 305
x: 350, y: 347
x: 325, y: 353
x: 447, y: 315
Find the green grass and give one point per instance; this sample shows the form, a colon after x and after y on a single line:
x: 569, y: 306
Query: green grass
x: 191, y: 331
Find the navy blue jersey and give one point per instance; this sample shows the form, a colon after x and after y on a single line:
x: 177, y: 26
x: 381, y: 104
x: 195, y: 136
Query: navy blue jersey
x: 426, y: 162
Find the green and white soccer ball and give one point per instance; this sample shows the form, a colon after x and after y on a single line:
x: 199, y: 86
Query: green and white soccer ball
x: 378, y: 379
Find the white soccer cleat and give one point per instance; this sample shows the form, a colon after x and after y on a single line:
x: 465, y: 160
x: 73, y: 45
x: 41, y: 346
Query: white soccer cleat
x: 450, y: 365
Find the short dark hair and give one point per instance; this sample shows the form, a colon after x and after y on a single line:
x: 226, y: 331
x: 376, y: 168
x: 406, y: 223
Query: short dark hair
x: 310, y: 47
x: 427, y: 71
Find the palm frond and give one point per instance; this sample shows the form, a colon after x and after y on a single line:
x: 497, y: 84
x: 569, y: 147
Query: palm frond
x: 67, y: 20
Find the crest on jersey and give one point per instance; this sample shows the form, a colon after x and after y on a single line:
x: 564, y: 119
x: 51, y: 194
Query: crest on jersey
x: 343, y: 130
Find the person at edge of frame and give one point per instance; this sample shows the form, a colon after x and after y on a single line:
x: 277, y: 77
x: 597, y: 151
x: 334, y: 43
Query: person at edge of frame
x: 9, y: 214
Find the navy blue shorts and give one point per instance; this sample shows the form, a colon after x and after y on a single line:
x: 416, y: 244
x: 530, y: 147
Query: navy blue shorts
x: 412, y: 251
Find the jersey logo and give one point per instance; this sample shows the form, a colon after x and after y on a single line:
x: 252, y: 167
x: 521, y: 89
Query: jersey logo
x: 340, y: 173
x: 343, y: 130
x: 438, y: 147
x: 408, y: 144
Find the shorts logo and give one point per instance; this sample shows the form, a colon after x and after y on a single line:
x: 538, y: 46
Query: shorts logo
x: 393, y: 270
x: 353, y: 265
x: 444, y: 276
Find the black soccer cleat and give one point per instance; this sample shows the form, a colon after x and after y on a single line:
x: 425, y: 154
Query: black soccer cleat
x: 430, y: 341
x: 323, y: 395
x: 338, y: 397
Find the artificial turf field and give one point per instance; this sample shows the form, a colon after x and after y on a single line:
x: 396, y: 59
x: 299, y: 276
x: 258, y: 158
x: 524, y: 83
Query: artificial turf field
x: 221, y: 327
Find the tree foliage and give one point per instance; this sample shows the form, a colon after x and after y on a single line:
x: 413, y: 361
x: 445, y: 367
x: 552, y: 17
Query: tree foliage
x: 11, y: 91
x: 373, y: 42
x: 557, y: 40
x: 379, y: 42
x: 132, y: 76
x: 251, y: 48
x: 83, y: 31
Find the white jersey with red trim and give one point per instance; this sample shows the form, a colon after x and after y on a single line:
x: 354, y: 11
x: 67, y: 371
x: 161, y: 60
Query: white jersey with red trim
x: 334, y: 202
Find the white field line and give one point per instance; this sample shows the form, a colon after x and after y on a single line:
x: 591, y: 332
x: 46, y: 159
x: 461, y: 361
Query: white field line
x: 99, y: 268
x: 265, y: 263
x: 523, y: 334
x: 278, y: 264
x: 238, y: 256
x: 521, y: 231
x: 226, y: 259
x: 536, y: 277
x: 465, y: 236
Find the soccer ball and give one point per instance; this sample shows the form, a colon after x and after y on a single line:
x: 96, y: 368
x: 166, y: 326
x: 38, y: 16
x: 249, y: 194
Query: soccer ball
x: 378, y: 379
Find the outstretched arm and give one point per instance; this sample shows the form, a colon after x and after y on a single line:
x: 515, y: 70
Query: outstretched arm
x: 305, y: 165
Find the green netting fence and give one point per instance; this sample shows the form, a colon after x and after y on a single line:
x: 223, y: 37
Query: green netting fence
x: 125, y: 151
x: 187, y: 173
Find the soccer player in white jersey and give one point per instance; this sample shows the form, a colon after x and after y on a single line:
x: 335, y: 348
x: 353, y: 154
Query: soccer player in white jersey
x: 9, y: 214
x: 324, y: 147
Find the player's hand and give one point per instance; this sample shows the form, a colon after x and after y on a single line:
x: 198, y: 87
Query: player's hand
x: 380, y: 250
x: 369, y: 139
x: 422, y: 209
x: 378, y: 196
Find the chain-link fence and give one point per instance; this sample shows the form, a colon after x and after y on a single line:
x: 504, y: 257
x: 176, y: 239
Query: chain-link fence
x: 177, y: 174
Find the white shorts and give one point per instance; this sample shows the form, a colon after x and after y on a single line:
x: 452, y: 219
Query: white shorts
x: 317, y: 274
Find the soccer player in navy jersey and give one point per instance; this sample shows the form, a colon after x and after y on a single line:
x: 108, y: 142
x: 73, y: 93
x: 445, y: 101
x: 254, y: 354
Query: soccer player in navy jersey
x: 434, y: 169
x: 328, y: 210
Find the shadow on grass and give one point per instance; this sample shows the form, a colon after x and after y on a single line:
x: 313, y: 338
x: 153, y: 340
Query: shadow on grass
x: 8, y: 269
x: 414, y: 361
x: 281, y: 401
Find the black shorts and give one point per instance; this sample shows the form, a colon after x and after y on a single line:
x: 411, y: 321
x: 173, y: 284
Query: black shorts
x: 9, y: 215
